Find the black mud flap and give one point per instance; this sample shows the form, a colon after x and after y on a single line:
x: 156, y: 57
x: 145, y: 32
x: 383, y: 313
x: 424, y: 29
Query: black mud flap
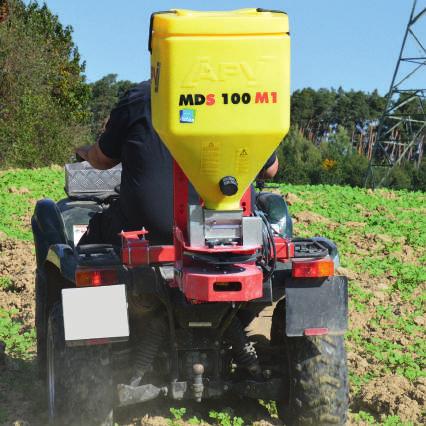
x: 313, y: 304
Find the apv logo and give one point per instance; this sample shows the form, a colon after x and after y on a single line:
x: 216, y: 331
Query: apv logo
x: 155, y: 76
x: 205, y: 69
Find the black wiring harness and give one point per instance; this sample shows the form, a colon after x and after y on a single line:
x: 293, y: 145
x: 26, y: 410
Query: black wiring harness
x: 268, y: 258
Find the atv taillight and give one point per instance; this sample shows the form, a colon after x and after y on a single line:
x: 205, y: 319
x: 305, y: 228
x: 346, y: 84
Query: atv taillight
x: 312, y: 268
x: 95, y: 277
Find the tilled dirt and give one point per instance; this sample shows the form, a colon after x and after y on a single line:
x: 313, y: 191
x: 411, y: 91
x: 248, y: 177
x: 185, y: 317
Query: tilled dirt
x: 19, y: 388
x: 389, y: 394
x: 21, y: 393
x: 395, y: 395
x: 17, y: 263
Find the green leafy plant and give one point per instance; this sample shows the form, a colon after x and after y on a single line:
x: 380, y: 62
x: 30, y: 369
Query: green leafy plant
x: 177, y: 414
x: 271, y: 406
x: 6, y: 283
x: 225, y: 418
x: 18, y: 342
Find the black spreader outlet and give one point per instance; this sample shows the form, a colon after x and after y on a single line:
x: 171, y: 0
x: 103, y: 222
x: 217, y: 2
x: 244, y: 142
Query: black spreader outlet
x: 228, y: 185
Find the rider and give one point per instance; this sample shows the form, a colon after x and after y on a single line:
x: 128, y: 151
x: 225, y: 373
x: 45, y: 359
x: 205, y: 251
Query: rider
x: 146, y: 191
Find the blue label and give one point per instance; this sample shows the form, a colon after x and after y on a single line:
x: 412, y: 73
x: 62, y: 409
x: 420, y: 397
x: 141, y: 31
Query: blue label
x: 187, y: 115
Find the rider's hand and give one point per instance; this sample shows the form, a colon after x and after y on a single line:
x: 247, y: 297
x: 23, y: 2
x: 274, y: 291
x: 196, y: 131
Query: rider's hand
x: 96, y: 158
x: 83, y: 152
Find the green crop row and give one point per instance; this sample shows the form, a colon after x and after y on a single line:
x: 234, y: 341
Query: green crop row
x: 19, y: 341
x: 381, y: 235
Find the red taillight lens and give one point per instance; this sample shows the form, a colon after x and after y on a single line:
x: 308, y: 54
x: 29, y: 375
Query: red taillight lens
x: 313, y: 268
x: 95, y: 278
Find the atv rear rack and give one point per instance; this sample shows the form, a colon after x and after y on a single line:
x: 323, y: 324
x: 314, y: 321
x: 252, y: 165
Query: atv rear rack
x: 308, y: 248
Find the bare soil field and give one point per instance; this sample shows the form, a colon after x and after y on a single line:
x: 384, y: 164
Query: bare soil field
x: 23, y: 392
x: 385, y: 353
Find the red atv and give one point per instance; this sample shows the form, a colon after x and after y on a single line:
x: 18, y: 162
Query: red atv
x: 124, y: 325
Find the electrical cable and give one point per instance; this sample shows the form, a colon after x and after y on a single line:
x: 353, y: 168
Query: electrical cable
x: 269, y: 260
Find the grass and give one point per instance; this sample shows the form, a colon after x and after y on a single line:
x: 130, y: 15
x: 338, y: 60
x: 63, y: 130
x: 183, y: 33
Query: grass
x: 19, y: 191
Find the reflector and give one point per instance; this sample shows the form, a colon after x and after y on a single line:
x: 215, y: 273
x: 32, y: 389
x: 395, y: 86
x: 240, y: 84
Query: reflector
x: 315, y: 331
x: 95, y: 278
x: 313, y: 268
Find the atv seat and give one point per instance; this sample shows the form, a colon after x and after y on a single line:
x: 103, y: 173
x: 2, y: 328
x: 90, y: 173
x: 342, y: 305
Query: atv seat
x: 76, y: 215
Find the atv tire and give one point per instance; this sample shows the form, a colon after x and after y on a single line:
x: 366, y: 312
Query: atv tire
x: 316, y: 367
x: 40, y: 322
x: 79, y: 380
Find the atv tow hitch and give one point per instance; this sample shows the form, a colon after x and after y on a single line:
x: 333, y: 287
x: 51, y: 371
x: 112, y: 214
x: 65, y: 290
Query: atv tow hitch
x: 129, y: 395
x: 269, y: 389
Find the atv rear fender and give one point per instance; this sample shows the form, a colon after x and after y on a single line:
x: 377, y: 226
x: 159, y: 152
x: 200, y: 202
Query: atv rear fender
x: 332, y: 249
x: 63, y: 258
x: 48, y: 228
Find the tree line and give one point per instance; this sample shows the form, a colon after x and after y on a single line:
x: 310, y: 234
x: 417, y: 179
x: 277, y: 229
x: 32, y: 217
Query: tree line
x: 47, y: 108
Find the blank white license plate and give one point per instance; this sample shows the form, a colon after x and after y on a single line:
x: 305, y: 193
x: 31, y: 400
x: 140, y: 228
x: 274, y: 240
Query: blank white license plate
x: 95, y: 314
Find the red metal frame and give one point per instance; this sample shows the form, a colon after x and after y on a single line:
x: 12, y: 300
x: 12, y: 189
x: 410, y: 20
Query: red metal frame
x: 180, y: 198
x: 204, y: 285
x: 243, y: 283
x: 245, y: 202
x: 136, y: 250
x: 285, y: 249
x: 199, y: 283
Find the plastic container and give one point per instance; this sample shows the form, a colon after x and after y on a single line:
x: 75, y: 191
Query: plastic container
x: 220, y: 86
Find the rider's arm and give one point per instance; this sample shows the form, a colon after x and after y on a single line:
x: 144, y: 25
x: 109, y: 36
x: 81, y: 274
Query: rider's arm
x: 106, y: 152
x: 270, y: 169
x: 97, y: 159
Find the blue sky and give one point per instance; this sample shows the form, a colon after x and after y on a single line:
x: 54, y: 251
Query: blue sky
x: 348, y: 43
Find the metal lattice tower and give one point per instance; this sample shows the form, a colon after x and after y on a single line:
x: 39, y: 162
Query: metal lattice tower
x: 401, y: 132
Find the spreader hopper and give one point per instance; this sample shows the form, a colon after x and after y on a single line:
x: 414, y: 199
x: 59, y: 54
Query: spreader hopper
x: 220, y: 95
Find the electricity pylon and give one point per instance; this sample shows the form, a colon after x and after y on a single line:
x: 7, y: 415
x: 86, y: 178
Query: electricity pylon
x: 401, y: 132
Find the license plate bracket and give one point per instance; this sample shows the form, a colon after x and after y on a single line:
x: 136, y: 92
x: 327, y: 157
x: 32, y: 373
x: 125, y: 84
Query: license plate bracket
x: 95, y: 315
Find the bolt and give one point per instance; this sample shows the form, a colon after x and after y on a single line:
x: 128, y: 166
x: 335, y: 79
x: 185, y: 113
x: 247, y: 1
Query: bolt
x: 267, y: 374
x: 198, y: 369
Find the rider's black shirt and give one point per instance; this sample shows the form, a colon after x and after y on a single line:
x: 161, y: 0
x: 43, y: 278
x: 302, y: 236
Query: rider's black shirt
x: 146, y: 194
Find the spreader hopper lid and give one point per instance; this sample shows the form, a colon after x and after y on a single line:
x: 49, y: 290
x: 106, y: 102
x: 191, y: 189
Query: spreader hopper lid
x: 242, y: 21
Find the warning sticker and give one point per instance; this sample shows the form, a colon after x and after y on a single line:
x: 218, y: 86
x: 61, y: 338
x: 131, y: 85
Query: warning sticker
x: 242, y: 161
x: 78, y: 231
x: 210, y: 158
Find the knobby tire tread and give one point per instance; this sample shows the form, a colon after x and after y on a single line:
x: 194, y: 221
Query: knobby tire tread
x: 318, y: 379
x: 84, y: 387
